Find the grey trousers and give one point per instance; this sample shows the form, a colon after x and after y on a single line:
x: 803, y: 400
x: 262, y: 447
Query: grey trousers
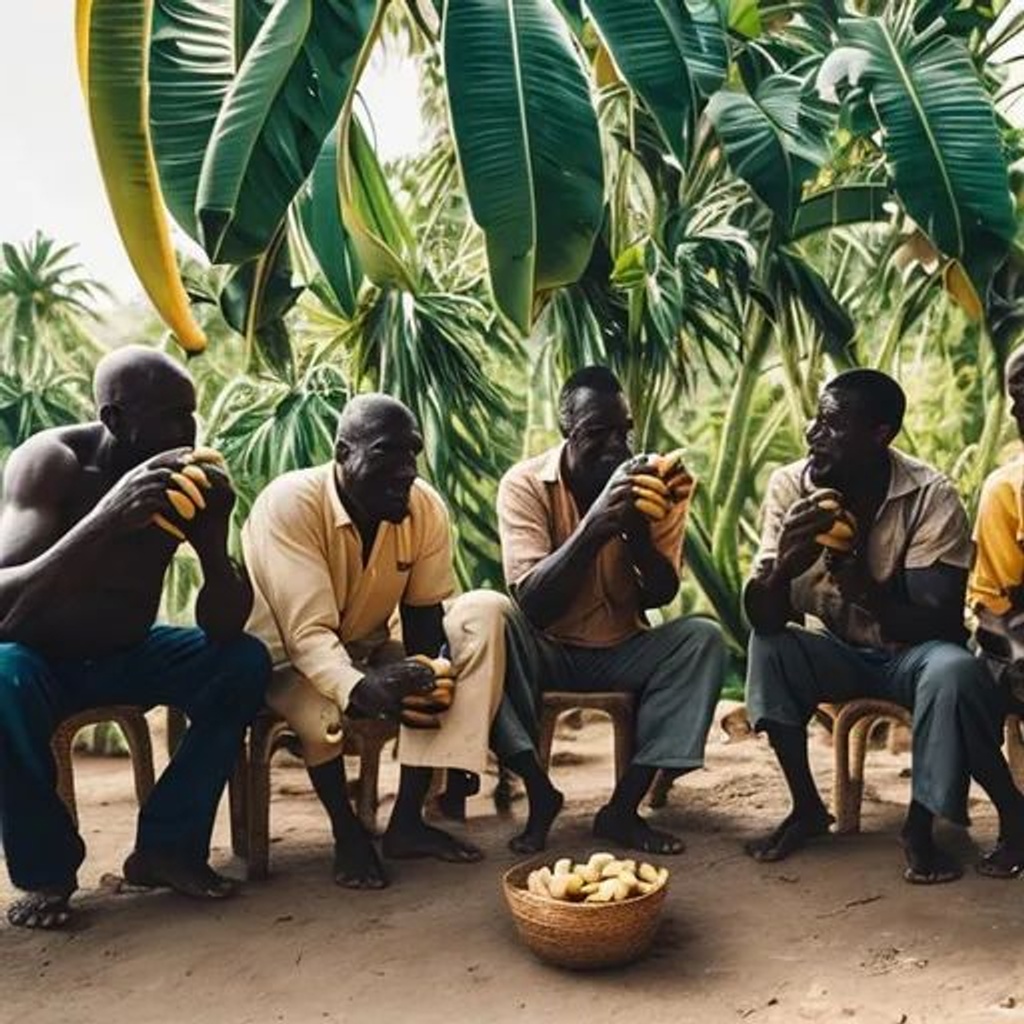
x: 676, y: 669
x: 955, y: 702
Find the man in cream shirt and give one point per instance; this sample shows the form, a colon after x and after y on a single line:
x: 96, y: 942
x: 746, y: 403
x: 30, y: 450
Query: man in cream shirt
x: 333, y: 552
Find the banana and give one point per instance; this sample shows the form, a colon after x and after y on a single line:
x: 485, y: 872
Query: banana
x: 563, y: 866
x: 181, y: 504
x: 438, y: 699
x: 647, y: 873
x: 665, y: 464
x: 652, y: 496
x: 167, y: 526
x: 441, y: 667
x: 652, y: 483
x: 210, y: 455
x: 196, y: 474
x: 565, y: 886
x: 190, y: 490
x: 419, y: 719
x: 649, y: 509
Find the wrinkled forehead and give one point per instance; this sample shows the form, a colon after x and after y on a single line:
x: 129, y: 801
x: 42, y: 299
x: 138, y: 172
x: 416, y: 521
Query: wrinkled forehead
x: 598, y: 410
x: 388, y: 428
x: 841, y: 406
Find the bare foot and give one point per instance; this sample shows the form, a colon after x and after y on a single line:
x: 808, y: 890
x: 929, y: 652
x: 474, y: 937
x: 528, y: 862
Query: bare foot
x: 543, y: 811
x: 792, y: 833
x: 927, y: 864
x: 634, y: 833
x: 154, y: 869
x: 356, y: 863
x: 421, y: 840
x: 43, y: 909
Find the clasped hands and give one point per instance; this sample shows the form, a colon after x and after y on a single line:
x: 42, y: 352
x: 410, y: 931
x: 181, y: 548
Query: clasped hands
x: 416, y: 691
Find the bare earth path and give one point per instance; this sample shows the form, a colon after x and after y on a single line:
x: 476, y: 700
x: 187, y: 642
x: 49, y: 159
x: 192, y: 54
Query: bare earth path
x: 834, y: 935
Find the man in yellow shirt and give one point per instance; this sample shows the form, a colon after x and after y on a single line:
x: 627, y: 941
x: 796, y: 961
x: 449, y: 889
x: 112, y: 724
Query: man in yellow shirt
x: 333, y: 552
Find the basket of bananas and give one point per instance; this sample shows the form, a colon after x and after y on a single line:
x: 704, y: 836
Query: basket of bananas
x: 587, y: 914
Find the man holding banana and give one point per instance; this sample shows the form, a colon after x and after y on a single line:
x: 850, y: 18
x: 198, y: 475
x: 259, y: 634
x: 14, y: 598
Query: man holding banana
x: 90, y: 519
x: 334, y: 551
x: 591, y: 537
x: 875, y: 546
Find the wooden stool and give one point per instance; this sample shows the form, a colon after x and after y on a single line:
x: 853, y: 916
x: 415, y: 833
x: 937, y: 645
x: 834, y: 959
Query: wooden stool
x: 132, y: 721
x: 852, y: 723
x: 364, y: 737
x: 620, y: 707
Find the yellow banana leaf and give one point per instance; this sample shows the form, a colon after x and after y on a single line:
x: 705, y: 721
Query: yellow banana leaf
x: 113, y: 55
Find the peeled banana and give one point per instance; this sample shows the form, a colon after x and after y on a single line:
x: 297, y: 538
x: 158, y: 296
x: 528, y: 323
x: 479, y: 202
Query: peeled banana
x: 841, y: 535
x: 186, y: 497
x: 603, y: 878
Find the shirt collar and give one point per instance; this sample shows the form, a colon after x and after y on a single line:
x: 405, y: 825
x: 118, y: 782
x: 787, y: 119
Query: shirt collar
x: 338, y: 511
x: 908, y: 475
x: 549, y: 468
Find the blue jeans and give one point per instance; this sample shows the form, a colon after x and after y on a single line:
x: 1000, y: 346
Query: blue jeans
x: 220, y: 686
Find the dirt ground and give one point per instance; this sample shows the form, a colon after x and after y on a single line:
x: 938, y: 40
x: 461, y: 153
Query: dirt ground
x: 832, y: 935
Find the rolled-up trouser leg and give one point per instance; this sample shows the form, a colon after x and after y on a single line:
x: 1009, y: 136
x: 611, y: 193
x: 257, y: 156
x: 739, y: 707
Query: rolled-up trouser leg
x: 313, y: 717
x: 677, y: 671
x: 42, y: 847
x: 475, y: 628
x: 791, y: 672
x: 533, y: 663
x: 956, y: 711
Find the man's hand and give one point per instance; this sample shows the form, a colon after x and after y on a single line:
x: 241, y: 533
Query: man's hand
x: 798, y: 550
x: 140, y: 494
x: 613, y: 511
x: 380, y: 693
x: 208, y: 531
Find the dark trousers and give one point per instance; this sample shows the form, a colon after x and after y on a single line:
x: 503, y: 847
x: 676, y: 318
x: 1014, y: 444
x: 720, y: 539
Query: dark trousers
x: 220, y: 686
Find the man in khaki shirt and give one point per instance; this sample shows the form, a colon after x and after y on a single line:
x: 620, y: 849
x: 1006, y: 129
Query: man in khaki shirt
x: 333, y: 553
x: 583, y: 564
x: 888, y: 607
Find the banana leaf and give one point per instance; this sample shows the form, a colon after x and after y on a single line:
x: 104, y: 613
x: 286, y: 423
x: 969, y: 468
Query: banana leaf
x: 113, y: 44
x: 528, y: 145
x: 846, y: 204
x: 282, y: 104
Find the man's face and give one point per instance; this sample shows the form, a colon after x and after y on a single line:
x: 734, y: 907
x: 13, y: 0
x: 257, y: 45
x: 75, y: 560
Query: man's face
x: 162, y: 420
x: 840, y: 440
x: 379, y: 467
x: 1015, y: 389
x: 600, y: 435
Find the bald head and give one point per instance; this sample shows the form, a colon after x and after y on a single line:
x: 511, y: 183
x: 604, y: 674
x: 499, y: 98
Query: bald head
x: 368, y: 417
x: 375, y: 452
x: 136, y: 373
x: 145, y: 400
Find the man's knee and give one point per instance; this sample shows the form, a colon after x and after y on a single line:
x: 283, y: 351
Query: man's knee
x: 21, y: 671
x: 245, y: 671
x: 952, y: 673
x: 481, y: 612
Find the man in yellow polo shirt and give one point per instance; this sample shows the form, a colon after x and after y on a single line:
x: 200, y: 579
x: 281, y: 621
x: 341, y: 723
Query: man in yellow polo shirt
x: 333, y: 552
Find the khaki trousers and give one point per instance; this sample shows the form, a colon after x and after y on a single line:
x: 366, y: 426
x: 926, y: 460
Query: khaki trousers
x: 474, y: 624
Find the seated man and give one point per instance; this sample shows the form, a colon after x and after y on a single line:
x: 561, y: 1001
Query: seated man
x: 891, y: 606
x: 81, y: 570
x: 583, y: 564
x: 333, y: 552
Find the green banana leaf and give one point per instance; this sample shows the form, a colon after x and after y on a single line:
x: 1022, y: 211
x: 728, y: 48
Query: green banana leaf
x: 281, y: 106
x: 845, y: 204
x: 320, y: 214
x: 527, y: 141
x: 646, y: 39
x: 768, y: 143
x: 939, y: 133
x: 191, y: 65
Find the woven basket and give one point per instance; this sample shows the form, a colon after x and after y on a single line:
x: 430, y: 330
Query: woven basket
x: 582, y: 936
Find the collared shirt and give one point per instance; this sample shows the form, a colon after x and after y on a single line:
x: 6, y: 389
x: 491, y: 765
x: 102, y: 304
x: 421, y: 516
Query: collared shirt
x: 537, y: 514
x: 920, y: 523
x: 316, y: 604
x: 999, y: 539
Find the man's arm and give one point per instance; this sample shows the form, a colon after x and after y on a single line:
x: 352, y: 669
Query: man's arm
x: 657, y: 579
x: 37, y: 562
x: 423, y: 629
x: 225, y: 600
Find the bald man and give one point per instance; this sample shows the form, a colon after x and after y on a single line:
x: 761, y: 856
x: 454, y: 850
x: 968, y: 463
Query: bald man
x: 81, y: 572
x: 334, y: 552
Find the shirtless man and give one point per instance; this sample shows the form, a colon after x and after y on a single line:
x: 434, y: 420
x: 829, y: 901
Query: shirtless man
x: 81, y: 571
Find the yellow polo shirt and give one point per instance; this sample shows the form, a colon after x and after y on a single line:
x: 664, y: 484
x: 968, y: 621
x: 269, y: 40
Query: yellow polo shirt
x: 316, y: 604
x: 999, y: 539
x: 537, y: 514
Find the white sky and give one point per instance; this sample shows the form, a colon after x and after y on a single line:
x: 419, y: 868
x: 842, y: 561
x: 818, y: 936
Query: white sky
x: 49, y: 178
x: 48, y: 174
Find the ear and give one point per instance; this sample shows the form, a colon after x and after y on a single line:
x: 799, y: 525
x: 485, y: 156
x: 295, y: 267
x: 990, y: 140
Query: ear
x: 112, y: 418
x: 883, y: 435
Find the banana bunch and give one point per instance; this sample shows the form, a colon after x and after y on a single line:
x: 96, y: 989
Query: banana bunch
x: 422, y: 710
x: 843, y: 532
x: 602, y: 879
x: 186, y: 496
x: 655, y: 493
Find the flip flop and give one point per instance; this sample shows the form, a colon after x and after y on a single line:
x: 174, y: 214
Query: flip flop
x: 1001, y: 861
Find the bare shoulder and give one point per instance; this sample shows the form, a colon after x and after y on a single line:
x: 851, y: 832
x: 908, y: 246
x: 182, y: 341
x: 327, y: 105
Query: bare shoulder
x: 43, y: 470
